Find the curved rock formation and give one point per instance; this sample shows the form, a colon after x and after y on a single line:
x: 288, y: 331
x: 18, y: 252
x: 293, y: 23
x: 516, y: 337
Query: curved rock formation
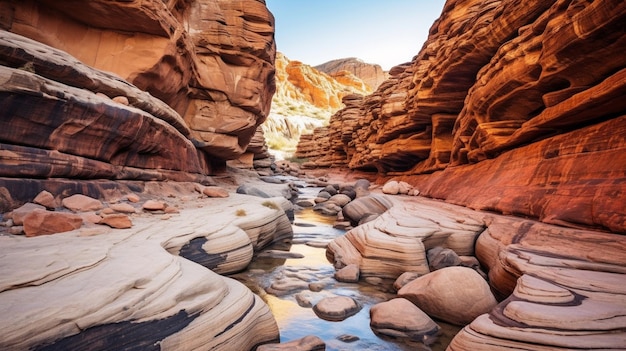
x: 201, y: 77
x: 559, y: 299
x: 155, y: 281
x: 396, y: 241
x: 512, y: 106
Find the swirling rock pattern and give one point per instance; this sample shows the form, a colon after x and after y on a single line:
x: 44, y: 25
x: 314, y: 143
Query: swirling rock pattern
x: 84, y: 288
x: 512, y: 106
x: 565, y: 289
x: 397, y: 241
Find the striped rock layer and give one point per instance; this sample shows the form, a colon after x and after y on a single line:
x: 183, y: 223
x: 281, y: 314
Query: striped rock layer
x: 510, y: 106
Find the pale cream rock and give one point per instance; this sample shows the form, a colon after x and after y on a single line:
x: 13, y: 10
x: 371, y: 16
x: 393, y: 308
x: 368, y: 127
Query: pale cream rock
x: 136, y: 275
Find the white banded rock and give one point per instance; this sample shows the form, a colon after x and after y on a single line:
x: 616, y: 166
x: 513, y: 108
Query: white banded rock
x: 397, y: 240
x: 565, y: 289
x: 82, y: 288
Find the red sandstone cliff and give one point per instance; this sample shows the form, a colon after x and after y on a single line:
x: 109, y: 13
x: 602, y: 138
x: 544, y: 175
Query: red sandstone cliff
x: 305, y: 98
x: 510, y: 106
x: 131, y: 90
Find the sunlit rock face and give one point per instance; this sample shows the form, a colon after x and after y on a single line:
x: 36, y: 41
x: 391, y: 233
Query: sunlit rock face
x: 372, y: 74
x: 211, y: 62
x: 305, y: 99
x: 512, y: 106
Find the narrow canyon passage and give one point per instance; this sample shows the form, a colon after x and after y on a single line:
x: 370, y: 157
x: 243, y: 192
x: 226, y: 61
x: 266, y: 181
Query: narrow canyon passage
x: 292, y: 277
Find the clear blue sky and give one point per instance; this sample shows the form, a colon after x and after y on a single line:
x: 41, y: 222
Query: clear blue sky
x: 386, y: 32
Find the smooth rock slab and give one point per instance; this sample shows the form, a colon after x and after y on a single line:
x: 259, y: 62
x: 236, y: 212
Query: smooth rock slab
x: 336, y: 308
x: 400, y: 318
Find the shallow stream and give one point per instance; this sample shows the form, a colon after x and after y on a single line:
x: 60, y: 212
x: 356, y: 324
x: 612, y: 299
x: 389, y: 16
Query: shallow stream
x: 308, y: 264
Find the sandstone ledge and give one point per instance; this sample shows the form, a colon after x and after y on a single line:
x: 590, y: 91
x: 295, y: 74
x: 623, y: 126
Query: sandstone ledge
x: 96, y: 285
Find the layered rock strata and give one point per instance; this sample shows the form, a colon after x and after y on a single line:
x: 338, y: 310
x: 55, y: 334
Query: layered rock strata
x: 191, y: 82
x: 156, y: 281
x: 523, y: 98
x: 565, y: 289
x: 559, y: 288
x: 397, y: 240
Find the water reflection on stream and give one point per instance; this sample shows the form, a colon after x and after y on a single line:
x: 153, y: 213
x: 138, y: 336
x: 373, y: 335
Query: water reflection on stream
x: 296, y: 322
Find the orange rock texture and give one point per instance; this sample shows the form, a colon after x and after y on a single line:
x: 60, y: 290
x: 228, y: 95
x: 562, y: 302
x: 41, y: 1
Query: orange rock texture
x: 189, y: 85
x: 511, y: 106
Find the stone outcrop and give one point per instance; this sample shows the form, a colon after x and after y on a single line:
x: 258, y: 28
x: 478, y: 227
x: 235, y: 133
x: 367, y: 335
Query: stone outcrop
x: 510, y: 106
x: 397, y: 240
x: 564, y: 289
x: 156, y: 281
x: 190, y: 84
x: 372, y: 74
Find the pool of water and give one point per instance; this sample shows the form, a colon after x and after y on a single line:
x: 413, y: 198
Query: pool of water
x: 311, y: 231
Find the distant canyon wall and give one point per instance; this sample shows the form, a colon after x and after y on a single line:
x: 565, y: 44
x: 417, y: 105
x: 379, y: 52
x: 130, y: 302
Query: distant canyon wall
x: 132, y: 89
x: 511, y: 106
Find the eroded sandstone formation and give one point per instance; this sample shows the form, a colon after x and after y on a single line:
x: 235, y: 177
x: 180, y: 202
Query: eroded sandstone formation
x: 190, y: 84
x: 511, y: 106
x: 154, y: 283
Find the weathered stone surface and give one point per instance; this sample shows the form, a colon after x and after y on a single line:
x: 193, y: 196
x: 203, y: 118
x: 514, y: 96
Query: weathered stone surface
x: 400, y: 318
x: 348, y: 274
x: 123, y: 208
x: 214, y: 191
x: 82, y: 203
x: 495, y: 113
x: 454, y: 294
x: 362, y: 207
x: 336, y: 308
x: 178, y: 83
x: 19, y: 213
x: 117, y: 220
x: 307, y: 343
x: 42, y: 222
x: 137, y: 278
x: 154, y: 205
x: 396, y: 241
x: 46, y: 199
x: 564, y: 286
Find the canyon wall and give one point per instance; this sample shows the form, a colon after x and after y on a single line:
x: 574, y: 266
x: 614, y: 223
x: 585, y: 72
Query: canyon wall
x: 305, y: 98
x: 510, y: 106
x: 131, y: 89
